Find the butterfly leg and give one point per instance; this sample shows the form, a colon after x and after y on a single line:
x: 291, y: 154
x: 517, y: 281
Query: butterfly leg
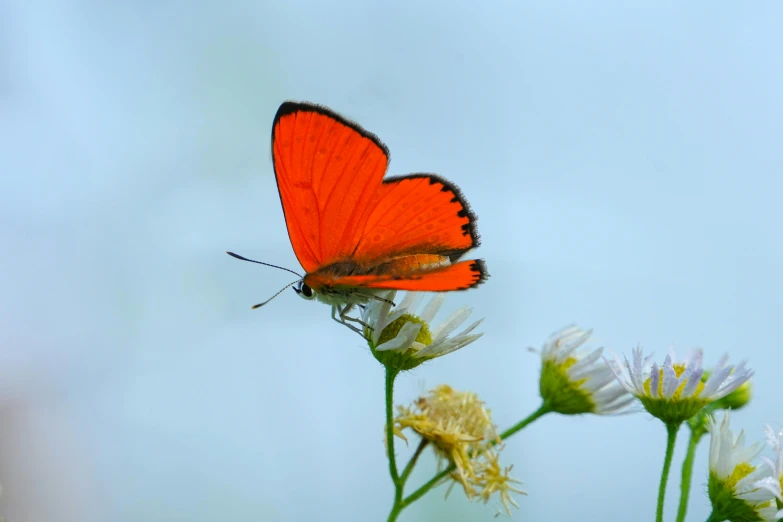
x: 345, y: 317
x: 337, y: 311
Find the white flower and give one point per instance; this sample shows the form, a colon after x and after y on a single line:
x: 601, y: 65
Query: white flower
x: 575, y: 380
x: 739, y: 489
x: 674, y: 392
x: 775, y: 441
x: 402, y: 337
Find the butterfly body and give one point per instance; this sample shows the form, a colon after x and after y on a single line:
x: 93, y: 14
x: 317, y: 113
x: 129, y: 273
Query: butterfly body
x: 355, y: 233
x: 330, y: 283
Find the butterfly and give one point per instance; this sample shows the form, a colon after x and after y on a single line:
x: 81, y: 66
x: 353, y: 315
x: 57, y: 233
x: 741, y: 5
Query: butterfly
x: 356, y: 233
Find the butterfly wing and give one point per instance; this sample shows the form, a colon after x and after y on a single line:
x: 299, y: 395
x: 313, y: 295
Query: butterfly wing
x: 417, y: 227
x: 351, y: 228
x: 458, y: 276
x: 328, y: 170
x: 413, y: 214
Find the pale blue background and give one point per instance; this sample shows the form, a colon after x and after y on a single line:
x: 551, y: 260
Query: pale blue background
x: 624, y: 159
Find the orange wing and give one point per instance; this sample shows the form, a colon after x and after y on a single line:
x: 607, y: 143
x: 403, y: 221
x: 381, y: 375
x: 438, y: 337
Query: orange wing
x: 328, y: 170
x: 414, y: 214
x: 459, y: 276
x: 343, y: 217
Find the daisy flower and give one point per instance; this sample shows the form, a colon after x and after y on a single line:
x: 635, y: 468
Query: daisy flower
x: 575, y: 380
x: 401, y: 337
x: 674, y: 392
x: 775, y: 441
x: 739, y: 489
x: 459, y: 427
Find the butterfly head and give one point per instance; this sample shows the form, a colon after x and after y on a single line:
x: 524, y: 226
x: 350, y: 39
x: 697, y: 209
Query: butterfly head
x: 304, y: 290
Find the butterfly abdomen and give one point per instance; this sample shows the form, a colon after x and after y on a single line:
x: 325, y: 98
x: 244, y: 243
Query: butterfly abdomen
x: 397, y: 265
x: 413, y: 263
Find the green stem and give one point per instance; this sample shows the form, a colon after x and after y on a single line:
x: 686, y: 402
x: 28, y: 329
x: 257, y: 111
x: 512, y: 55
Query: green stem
x: 434, y: 481
x: 397, y: 507
x: 416, y: 495
x: 395, y: 512
x: 540, y: 412
x: 687, y: 471
x: 407, y: 471
x: 671, y: 437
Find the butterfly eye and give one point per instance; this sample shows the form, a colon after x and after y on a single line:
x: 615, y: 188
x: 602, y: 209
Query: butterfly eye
x: 305, y: 292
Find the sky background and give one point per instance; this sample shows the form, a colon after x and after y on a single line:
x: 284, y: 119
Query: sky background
x: 624, y: 160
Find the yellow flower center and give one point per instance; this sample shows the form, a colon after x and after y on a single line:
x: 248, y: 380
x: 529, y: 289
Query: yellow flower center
x: 674, y: 409
x: 569, y: 363
x: 741, y: 471
x: 679, y: 369
x: 400, y: 360
x: 391, y: 331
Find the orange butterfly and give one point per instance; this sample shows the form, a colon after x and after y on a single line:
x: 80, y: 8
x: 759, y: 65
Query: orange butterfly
x: 356, y: 233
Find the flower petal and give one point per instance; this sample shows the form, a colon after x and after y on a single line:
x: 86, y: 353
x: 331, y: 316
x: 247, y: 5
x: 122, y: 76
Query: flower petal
x: 567, y: 345
x: 617, y: 407
x: 410, y: 302
x: 470, y: 328
x: 617, y: 369
x: 715, y: 380
x: 693, y: 383
x: 432, y: 308
x: 610, y: 394
x: 403, y: 340
x: 450, y: 324
x: 655, y: 377
x: 670, y: 381
x: 586, y: 361
x: 732, y: 385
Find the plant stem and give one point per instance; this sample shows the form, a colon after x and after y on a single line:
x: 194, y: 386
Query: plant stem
x: 540, y: 412
x: 434, y: 481
x: 395, y: 512
x: 397, y: 507
x: 687, y: 470
x: 416, y: 495
x: 671, y: 437
x: 390, y: 376
x: 407, y: 471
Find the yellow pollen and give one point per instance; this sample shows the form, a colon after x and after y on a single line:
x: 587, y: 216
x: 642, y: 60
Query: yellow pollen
x: 740, y: 472
x: 565, y: 365
x: 679, y: 369
x: 568, y: 363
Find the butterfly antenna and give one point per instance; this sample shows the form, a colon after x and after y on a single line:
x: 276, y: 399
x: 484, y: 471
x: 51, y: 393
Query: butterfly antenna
x: 259, y: 305
x: 265, y: 264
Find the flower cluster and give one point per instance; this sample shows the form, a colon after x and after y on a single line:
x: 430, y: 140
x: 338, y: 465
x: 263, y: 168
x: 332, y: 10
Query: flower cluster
x: 459, y: 427
x: 574, y: 379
